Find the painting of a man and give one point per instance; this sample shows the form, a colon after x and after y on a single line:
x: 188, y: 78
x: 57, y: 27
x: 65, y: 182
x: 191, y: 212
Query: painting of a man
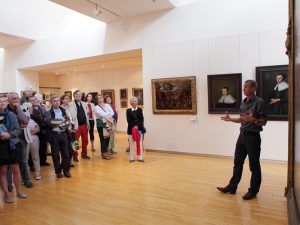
x: 226, y: 100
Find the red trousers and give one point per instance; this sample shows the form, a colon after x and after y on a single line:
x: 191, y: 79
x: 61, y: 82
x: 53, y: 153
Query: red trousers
x: 83, y: 132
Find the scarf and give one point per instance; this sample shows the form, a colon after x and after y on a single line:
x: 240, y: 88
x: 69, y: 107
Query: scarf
x: 282, y: 86
x: 8, y: 124
x: 90, y: 111
x: 136, y: 138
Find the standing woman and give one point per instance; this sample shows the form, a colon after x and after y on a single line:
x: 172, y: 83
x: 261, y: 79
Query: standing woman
x: 91, y: 115
x: 104, y: 120
x: 135, y: 130
x: 71, y: 132
x: 111, y: 145
x: 11, y: 150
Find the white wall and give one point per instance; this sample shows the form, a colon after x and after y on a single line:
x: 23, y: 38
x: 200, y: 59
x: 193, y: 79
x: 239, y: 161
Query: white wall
x: 96, y: 81
x: 214, y: 36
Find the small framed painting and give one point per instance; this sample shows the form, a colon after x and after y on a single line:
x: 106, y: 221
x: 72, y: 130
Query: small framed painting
x: 124, y: 104
x: 124, y: 94
x: 110, y: 93
x: 138, y: 92
x: 69, y: 94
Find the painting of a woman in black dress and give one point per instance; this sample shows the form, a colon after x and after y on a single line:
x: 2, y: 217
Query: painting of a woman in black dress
x: 272, y: 86
x: 279, y: 96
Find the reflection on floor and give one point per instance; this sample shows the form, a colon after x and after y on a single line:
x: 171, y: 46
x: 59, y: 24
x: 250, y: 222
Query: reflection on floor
x: 167, y: 189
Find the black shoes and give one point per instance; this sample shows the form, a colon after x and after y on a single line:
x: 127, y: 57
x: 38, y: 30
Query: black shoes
x: 75, y: 159
x: 86, y: 157
x: 45, y: 164
x: 249, y: 195
x: 68, y: 175
x: 28, y: 184
x: 227, y: 189
x: 141, y: 160
x: 59, y: 175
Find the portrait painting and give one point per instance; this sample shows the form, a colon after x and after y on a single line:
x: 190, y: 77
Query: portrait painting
x: 69, y: 94
x: 224, y: 93
x: 174, y: 95
x: 94, y: 94
x: 272, y: 86
x: 123, y: 104
x: 138, y: 92
x: 124, y: 93
x: 110, y: 93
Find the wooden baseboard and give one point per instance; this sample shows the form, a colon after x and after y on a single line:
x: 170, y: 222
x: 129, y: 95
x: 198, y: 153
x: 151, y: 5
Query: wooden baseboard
x: 209, y: 155
x: 293, y: 213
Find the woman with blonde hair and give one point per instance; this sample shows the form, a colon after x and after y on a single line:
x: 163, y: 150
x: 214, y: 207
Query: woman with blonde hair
x: 135, y: 129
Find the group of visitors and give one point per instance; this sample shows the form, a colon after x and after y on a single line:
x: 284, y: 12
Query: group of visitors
x: 29, y: 124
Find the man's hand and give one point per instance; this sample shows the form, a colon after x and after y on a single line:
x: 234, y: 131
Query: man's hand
x: 274, y: 100
x: 226, y: 117
x: 4, y: 136
x: 247, y: 118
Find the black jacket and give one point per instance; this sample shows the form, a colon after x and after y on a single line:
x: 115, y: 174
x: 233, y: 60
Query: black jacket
x: 134, y: 118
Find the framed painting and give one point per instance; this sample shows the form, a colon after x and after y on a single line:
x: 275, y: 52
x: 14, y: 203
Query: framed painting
x: 272, y: 86
x: 69, y: 94
x: 94, y: 94
x: 174, y: 95
x: 224, y: 93
x: 110, y: 93
x: 138, y: 92
x: 124, y: 93
x: 124, y: 104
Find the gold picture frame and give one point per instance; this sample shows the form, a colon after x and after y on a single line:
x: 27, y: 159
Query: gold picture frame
x: 110, y: 93
x: 175, y: 95
x: 139, y: 93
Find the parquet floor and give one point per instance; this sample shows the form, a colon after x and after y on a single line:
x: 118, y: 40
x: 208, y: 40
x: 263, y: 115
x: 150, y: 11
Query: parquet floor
x: 167, y: 189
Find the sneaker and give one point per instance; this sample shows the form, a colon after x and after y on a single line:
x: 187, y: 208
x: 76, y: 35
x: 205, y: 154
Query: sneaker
x: 22, y: 195
x: 141, y: 160
x: 86, y: 157
x: 8, y: 199
x: 28, y: 184
x: 38, y: 177
x: 72, y: 165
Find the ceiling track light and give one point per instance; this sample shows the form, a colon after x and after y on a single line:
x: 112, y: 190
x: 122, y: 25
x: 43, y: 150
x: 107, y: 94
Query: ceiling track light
x: 98, y: 9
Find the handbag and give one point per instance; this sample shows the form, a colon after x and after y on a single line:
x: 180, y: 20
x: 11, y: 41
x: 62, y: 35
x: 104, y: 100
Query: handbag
x: 76, y: 145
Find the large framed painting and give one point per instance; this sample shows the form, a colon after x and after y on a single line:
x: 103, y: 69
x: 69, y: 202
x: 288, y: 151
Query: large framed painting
x: 124, y: 94
x: 69, y: 94
x: 174, y: 95
x: 272, y: 86
x: 110, y: 93
x: 138, y: 92
x: 224, y: 93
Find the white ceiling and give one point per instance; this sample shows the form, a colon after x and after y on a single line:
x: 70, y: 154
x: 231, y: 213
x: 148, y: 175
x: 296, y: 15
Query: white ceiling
x: 119, y: 9
x: 112, y: 61
x: 7, y: 40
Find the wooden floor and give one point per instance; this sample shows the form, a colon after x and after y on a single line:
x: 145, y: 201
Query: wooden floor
x: 167, y: 189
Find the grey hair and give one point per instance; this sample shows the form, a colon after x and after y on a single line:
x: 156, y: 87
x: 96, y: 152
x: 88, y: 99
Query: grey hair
x: 10, y: 94
x: 39, y: 96
x: 53, y: 97
x: 132, y: 99
x: 252, y: 83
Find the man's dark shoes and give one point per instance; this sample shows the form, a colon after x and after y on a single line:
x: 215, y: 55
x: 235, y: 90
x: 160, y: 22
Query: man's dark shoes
x: 45, y: 164
x: 249, y: 195
x: 75, y: 159
x: 227, y: 189
x: 28, y: 184
x: 68, y: 175
x: 59, y: 175
x: 86, y: 157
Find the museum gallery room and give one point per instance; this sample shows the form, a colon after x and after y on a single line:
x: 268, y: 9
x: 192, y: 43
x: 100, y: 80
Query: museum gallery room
x: 149, y: 112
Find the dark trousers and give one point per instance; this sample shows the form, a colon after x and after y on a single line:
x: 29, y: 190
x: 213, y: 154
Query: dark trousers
x: 91, y: 130
x: 103, y: 141
x: 43, y: 148
x: 59, y: 149
x: 247, y: 145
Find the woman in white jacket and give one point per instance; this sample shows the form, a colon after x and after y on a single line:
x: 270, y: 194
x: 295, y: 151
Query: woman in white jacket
x: 104, y: 114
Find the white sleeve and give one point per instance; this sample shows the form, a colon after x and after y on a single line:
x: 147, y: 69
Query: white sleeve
x: 110, y: 110
x: 100, y: 112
